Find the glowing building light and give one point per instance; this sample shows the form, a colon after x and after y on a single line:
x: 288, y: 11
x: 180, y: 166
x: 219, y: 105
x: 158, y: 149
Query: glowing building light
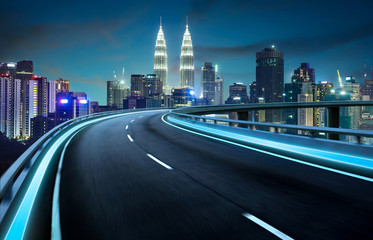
x: 83, y: 101
x: 160, y: 57
x: 64, y: 101
x: 186, y: 60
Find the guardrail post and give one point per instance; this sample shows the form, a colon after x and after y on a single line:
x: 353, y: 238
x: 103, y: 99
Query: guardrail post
x: 333, y: 121
x: 243, y: 116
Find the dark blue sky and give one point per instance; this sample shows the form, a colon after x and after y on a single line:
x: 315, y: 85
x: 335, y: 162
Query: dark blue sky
x: 84, y: 41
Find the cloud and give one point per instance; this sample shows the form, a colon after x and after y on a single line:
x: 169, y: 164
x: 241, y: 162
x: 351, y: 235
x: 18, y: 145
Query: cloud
x: 29, y: 37
x: 294, y: 46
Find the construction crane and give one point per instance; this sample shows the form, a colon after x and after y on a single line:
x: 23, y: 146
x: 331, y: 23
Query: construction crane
x: 340, y: 82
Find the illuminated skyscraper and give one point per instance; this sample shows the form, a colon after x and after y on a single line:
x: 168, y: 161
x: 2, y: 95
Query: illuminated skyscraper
x: 270, y: 74
x: 160, y: 57
x: 208, y: 82
x: 186, y: 61
x: 116, y: 92
x: 270, y: 80
x: 237, y: 94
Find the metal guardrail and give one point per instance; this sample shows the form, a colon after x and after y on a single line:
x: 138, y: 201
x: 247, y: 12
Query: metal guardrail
x: 185, y: 113
x: 267, y: 106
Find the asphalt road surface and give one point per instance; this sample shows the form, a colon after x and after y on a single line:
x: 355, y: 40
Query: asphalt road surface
x: 135, y: 177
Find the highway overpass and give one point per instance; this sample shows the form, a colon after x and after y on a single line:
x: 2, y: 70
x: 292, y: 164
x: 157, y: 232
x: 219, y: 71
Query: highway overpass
x: 150, y: 175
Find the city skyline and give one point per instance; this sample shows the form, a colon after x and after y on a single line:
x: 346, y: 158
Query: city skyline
x: 102, y: 43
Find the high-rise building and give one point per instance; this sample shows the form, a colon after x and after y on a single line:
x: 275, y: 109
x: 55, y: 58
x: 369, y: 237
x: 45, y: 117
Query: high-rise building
x: 208, y: 82
x: 116, y: 92
x: 40, y: 125
x: 253, y: 93
x: 8, y: 68
x: 292, y: 90
x: 31, y: 106
x: 270, y: 74
x: 237, y: 94
x: 160, y: 58
x: 219, y: 90
x: 24, y: 72
x: 42, y: 95
x: 183, y: 97
x: 152, y: 85
x: 186, y: 61
x: 270, y: 80
x: 353, y: 88
x: 305, y: 115
x: 71, y: 105
x: 93, y: 107
x: 52, y: 91
x: 304, y: 73
x: 62, y: 85
x: 10, y: 105
x: 323, y: 89
x: 137, y: 86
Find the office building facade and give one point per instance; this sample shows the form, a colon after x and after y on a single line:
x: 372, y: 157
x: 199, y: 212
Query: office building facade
x: 270, y: 75
x: 208, y: 82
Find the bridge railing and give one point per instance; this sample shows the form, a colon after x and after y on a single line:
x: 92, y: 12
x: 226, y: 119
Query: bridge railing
x: 332, y: 108
x: 275, y: 127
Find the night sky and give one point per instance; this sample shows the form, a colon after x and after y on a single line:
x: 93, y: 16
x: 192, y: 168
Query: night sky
x: 84, y: 41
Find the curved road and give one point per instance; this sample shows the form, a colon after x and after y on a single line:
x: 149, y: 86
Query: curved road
x: 153, y: 181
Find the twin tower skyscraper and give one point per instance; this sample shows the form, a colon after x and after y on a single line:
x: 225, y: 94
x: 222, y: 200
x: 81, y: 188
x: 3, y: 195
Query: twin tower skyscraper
x: 186, y: 69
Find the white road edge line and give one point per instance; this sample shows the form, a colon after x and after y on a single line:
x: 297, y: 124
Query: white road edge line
x: 132, y: 120
x: 126, y: 127
x: 266, y: 226
x: 276, y: 155
x: 129, y: 137
x: 158, y: 161
x: 56, y: 220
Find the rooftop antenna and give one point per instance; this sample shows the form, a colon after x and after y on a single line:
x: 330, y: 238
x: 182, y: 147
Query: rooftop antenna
x: 365, y: 71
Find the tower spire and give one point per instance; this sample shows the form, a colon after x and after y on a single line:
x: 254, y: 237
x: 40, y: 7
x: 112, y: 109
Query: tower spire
x: 160, y: 21
x: 187, y: 21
